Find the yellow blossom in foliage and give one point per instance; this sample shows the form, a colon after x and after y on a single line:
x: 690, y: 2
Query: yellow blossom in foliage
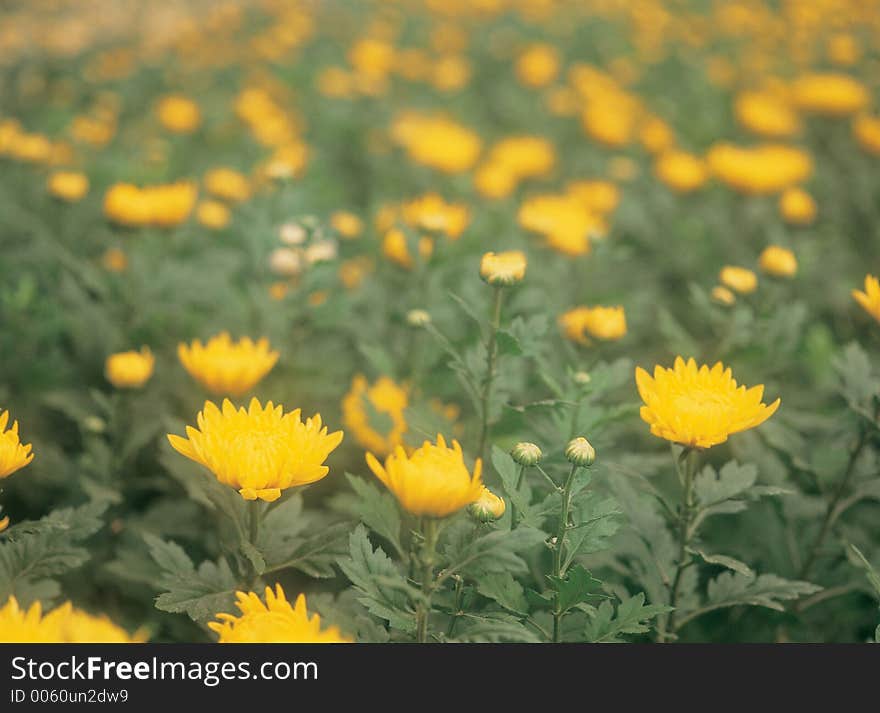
x: 436, y: 142
x: 92, y: 130
x: 352, y: 272
x: 273, y: 622
x: 866, y: 130
x: 69, y: 186
x: 843, y: 49
x: 30, y: 148
x: 681, y: 171
x: 869, y: 299
x: 374, y: 413
x: 131, y: 369
x: 538, y: 65
x: 348, y: 225
x: 14, y: 454
x: 512, y: 160
x: 432, y: 214
x: 287, y: 161
x: 759, y: 170
x: 371, y: 57
x: 163, y: 205
x: 451, y: 73
x: 395, y: 248
x: 699, y: 407
x: 612, y: 120
x: 766, y: 114
x: 563, y: 221
x: 63, y: 625
x: 830, y: 94
x: 178, y: 114
x: 656, y: 135
x: 227, y: 184
x: 259, y: 451
x: 739, y: 279
x: 723, y: 296
x: 603, y: 323
x: 114, y: 260
x: 433, y: 481
x: 797, y: 206
x: 225, y: 367
x: 213, y: 214
x: 502, y: 269
x: 488, y: 507
x: 778, y: 261
x: 279, y: 290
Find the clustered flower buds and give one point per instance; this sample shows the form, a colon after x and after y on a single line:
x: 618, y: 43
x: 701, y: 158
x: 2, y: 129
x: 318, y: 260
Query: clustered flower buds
x: 526, y: 454
x: 579, y: 452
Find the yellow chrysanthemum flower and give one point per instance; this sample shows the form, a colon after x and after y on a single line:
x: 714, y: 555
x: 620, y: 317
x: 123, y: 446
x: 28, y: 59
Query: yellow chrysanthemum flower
x: 830, y: 93
x: 70, y: 186
x: 63, y: 625
x: 603, y: 323
x: 739, y: 279
x: 131, y: 369
x: 431, y: 213
x: 767, y: 114
x: 869, y: 299
x: 388, y: 400
x: 563, y: 221
x: 503, y: 269
x: 759, y: 170
x: 14, y: 454
x: 778, y: 261
x: 699, y: 407
x: 866, y: 130
x: 273, y: 622
x: 395, y: 248
x: 227, y: 184
x: 260, y: 450
x: 433, y: 481
x: 599, y: 197
x: 213, y: 214
x: 797, y: 206
x: 436, y: 142
x: 723, y: 295
x: 225, y: 367
x: 348, y: 225
x: 681, y: 171
x: 178, y: 114
x: 538, y: 65
x: 488, y: 507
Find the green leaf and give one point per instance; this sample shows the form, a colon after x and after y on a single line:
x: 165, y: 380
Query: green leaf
x: 200, y: 592
x: 493, y: 627
x: 632, y: 617
x: 33, y: 553
x: 576, y: 587
x: 377, y: 509
x: 383, y: 590
x: 733, y: 479
x: 766, y: 590
x: 725, y: 561
x: 497, y: 551
x: 504, y: 589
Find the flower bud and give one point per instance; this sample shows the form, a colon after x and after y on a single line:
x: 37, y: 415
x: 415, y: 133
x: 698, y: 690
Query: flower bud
x: 418, y: 318
x: 323, y: 251
x: 526, y: 454
x: 292, y: 234
x: 579, y: 452
x: 286, y: 262
x: 489, y: 507
x: 95, y: 424
x: 503, y: 269
x: 582, y: 378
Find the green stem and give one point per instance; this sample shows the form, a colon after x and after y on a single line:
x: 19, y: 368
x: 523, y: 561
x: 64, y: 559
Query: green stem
x: 689, y: 457
x: 255, y: 517
x: 519, y: 482
x: 426, y: 556
x: 491, y: 359
x: 456, y: 613
x: 558, y: 568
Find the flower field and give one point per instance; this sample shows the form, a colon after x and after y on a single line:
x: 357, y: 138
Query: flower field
x: 440, y: 321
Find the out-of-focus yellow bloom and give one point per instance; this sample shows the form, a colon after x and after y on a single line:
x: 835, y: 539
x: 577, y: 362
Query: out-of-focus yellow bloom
x: 766, y: 114
x: 699, y: 407
x: 30, y: 148
x: 843, y: 49
x: 436, y: 142
x: 778, y: 261
x: 656, y: 135
x: 131, y: 369
x: 870, y: 298
x: 94, y: 131
x: 69, y: 186
x: 259, y: 451
x: 227, y: 184
x: 395, y: 248
x: 317, y: 298
x: 739, y: 279
x: 451, y: 73
x: 163, y: 206
x: 14, y: 454
x: 830, y: 94
x: 563, y: 221
x: 371, y: 57
x: 611, y: 122
x: 273, y: 622
x: 503, y: 269
x: 511, y: 160
x: 432, y: 214
x: 213, y: 214
x: 538, y: 65
x: 385, y: 398
x: 114, y: 260
x: 681, y: 171
x: 178, y: 114
x: 63, y: 625
x: 723, y: 295
x: 866, y: 130
x: 433, y: 481
x: 488, y: 507
x: 600, y: 197
x: 759, y: 170
x: 602, y: 323
x: 797, y: 206
x: 225, y: 367
x: 353, y: 272
x: 348, y: 225
x: 279, y: 290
